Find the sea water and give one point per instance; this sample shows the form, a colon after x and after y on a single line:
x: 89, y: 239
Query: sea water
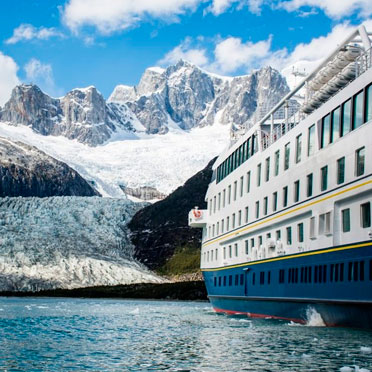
x: 60, y: 334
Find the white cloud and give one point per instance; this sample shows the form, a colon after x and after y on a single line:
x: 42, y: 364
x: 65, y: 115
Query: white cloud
x: 333, y: 8
x: 41, y: 74
x: 186, y: 52
x: 113, y: 15
x: 28, y: 32
x: 8, y: 77
x: 221, y: 6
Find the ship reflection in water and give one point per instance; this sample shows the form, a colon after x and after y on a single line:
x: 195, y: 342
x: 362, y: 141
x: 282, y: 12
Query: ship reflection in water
x: 122, y: 335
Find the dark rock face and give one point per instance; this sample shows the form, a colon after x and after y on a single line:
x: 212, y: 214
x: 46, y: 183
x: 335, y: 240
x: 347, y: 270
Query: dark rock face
x: 157, y: 230
x: 27, y: 171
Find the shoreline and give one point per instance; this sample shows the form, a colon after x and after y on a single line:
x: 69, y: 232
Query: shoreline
x: 184, y: 291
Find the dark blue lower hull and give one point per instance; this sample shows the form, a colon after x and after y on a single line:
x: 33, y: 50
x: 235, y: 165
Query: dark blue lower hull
x: 335, y: 283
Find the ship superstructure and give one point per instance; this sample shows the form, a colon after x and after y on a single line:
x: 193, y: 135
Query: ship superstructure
x: 288, y: 224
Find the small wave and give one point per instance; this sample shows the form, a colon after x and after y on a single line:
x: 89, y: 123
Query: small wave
x: 353, y: 369
x: 366, y: 349
x: 136, y: 311
x: 314, y: 319
x: 42, y: 307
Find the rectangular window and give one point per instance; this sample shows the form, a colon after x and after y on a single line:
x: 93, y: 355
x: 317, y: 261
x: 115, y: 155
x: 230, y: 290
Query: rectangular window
x: 275, y: 201
x: 285, y: 196
x: 219, y: 201
x: 328, y: 226
x: 298, y: 148
x: 246, y: 246
x: 369, y: 103
x: 277, y: 155
x: 326, y: 124
x: 358, y: 114
x: 341, y: 170
x: 214, y: 204
x: 230, y: 251
x: 311, y: 141
x: 224, y: 253
x: 260, y: 240
x: 296, y: 191
x: 278, y: 234
x: 309, y: 190
x: 223, y: 198
x: 324, y: 178
x: 346, y: 118
x: 267, y: 174
x: 239, y: 218
x: 229, y: 195
x: 335, y: 132
x: 248, y: 181
x: 312, y: 228
x: 218, y: 228
x: 222, y: 226
x: 360, y: 161
x: 259, y: 174
x: 227, y: 223
x: 289, y: 235
x: 210, y: 207
x: 246, y: 214
x: 287, y: 150
x: 235, y: 189
x: 365, y: 214
x: 257, y: 209
x: 345, y: 220
x: 265, y: 205
x: 241, y: 186
x: 252, y: 243
x: 233, y: 221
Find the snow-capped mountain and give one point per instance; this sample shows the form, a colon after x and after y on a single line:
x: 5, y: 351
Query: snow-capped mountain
x: 67, y: 242
x: 27, y: 171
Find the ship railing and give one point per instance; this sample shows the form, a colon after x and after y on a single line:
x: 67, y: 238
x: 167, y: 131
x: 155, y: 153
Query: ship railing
x: 363, y: 62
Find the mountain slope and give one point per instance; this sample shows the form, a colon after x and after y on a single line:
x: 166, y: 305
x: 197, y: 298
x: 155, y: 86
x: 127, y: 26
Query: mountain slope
x: 27, y: 171
x: 158, y: 230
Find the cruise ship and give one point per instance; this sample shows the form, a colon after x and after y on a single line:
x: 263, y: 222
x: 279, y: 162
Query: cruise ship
x: 287, y: 229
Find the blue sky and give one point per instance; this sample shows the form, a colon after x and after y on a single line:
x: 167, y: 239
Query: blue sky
x: 60, y: 45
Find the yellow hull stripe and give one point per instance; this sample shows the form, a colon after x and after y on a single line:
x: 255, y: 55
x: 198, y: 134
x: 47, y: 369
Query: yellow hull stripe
x: 286, y: 213
x: 311, y: 253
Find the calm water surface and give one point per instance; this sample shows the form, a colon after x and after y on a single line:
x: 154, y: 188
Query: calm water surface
x: 45, y: 334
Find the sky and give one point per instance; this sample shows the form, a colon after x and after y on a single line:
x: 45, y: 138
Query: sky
x: 60, y: 45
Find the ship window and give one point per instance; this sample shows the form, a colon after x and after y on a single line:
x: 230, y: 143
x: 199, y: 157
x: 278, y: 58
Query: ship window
x: 222, y: 226
x: 265, y: 205
x: 215, y: 281
x: 224, y: 253
x: 289, y: 235
x: 321, y: 223
x: 296, y: 191
x: 236, y: 279
x: 345, y: 220
x: 369, y: 103
x: 233, y: 221
x: 312, y: 228
x: 254, y: 278
x: 268, y: 277
x: 258, y: 175
x: 311, y: 141
x: 230, y: 280
x: 278, y: 234
x: 218, y: 228
x: 219, y: 281
x: 277, y: 155
x: 249, y: 148
x: 341, y: 170
x: 328, y: 226
x: 358, y: 110
x: 241, y: 279
x: 227, y: 223
x: 246, y: 244
x: 341, y: 272
x: 213, y: 232
x: 309, y: 190
x: 219, y: 201
x: 335, y: 132
x: 365, y: 211
x: 257, y: 209
x: 262, y: 277
x: 252, y: 243
x: 285, y: 196
x: 281, y: 276
x: 230, y: 251
x: 241, y: 186
x: 361, y: 270
x: 214, y: 204
x: 260, y: 240
x: 326, y: 123
x: 275, y: 201
x: 208, y: 256
x: 298, y: 148
x: 224, y: 281
x: 324, y: 178
x: 236, y: 250
x: 223, y: 198
x: 346, y: 118
x: 302, y: 274
x: 267, y: 174
x: 239, y: 218
x: 212, y: 255
x: 210, y: 207
x: 235, y: 189
x: 246, y: 214
x: 287, y: 150
x: 216, y: 254
x: 316, y: 274
x: 248, y: 181
x: 229, y: 195
x: 360, y: 161
x: 300, y: 229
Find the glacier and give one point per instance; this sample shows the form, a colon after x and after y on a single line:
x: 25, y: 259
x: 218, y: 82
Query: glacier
x: 67, y: 242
